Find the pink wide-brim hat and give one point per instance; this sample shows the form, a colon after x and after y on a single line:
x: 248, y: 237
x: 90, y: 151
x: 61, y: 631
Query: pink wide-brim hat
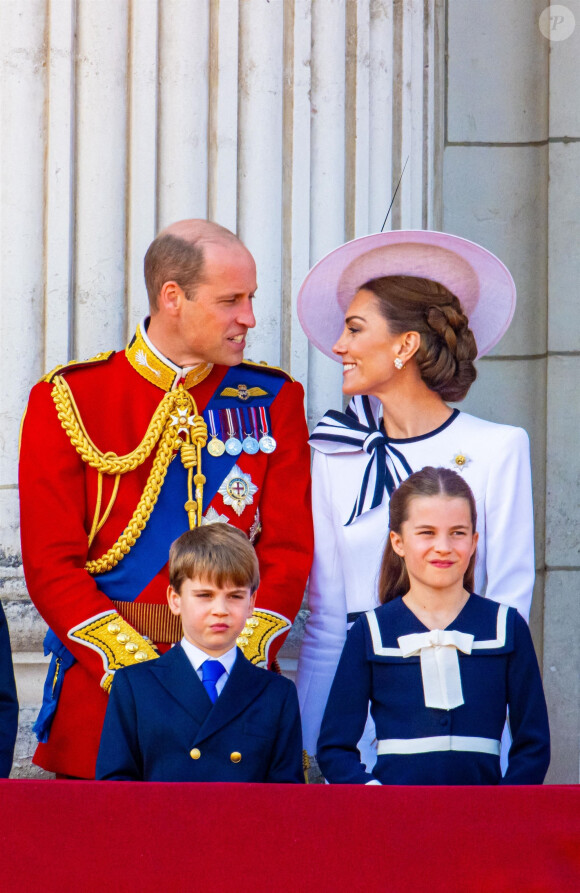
x: 483, y: 284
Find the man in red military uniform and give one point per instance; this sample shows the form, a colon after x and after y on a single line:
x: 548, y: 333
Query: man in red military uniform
x: 124, y: 452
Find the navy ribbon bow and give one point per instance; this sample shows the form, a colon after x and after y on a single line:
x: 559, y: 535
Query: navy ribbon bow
x: 339, y: 432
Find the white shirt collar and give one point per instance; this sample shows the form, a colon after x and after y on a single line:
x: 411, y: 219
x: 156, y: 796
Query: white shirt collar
x: 196, y: 656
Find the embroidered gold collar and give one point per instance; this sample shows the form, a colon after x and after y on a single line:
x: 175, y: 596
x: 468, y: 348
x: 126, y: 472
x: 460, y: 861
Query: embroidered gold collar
x: 156, y: 368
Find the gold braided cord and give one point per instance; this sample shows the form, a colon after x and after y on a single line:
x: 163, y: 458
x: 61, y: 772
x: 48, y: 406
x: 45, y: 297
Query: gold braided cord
x: 107, y: 511
x: 164, y: 428
x: 305, y: 766
x: 99, y: 523
x: 145, y: 506
x: 95, y: 523
x: 109, y: 463
x: 191, y: 458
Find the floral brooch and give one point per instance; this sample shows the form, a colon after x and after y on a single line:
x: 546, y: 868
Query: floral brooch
x: 460, y: 461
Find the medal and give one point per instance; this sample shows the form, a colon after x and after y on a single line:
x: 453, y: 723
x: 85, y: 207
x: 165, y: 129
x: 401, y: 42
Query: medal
x: 256, y: 528
x: 267, y: 443
x: 233, y: 444
x: 249, y: 445
x: 215, y: 447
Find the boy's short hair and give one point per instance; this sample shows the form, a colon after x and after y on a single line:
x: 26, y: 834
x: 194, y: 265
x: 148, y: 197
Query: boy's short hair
x: 217, y: 552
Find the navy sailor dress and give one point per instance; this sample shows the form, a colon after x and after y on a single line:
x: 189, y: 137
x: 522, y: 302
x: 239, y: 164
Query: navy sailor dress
x: 390, y: 660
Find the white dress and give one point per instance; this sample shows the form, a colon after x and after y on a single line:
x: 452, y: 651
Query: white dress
x: 493, y: 459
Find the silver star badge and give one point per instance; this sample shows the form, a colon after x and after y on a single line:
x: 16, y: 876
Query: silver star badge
x: 212, y: 517
x: 238, y: 490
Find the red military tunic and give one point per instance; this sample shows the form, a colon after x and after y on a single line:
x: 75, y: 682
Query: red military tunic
x: 65, y: 501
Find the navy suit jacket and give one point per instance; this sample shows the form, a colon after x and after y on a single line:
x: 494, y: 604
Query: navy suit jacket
x: 161, y: 725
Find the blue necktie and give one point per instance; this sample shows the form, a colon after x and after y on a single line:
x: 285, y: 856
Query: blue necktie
x: 211, y: 671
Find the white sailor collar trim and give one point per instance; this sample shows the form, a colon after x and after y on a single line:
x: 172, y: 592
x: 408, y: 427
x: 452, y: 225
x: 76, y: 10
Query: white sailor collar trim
x: 381, y: 650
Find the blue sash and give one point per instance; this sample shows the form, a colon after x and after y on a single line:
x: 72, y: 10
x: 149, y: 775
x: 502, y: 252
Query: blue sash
x: 168, y: 520
x: 60, y: 662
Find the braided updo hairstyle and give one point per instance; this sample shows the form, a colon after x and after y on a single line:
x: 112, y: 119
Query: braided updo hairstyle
x: 448, y: 349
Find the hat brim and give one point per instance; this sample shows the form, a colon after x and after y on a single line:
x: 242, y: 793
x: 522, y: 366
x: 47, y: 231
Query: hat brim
x: 483, y: 284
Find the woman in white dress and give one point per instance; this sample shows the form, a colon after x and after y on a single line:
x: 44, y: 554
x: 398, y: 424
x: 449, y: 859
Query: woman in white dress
x: 406, y: 313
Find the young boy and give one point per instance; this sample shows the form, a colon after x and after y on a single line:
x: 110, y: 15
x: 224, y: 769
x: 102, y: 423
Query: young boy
x: 202, y: 711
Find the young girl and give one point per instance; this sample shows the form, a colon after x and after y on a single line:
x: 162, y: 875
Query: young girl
x: 438, y: 665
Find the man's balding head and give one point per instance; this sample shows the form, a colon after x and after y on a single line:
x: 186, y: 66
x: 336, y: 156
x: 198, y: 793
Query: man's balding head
x: 177, y: 255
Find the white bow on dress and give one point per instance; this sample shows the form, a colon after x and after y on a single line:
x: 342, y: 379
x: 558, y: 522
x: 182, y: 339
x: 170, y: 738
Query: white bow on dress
x: 439, y: 664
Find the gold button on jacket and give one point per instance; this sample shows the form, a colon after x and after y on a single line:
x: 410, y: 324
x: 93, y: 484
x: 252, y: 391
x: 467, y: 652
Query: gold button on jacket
x: 195, y: 753
x: 235, y: 757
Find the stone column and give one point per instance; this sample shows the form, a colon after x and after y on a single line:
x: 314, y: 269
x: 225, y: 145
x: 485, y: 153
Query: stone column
x: 24, y: 288
x: 562, y: 592
x: 511, y: 166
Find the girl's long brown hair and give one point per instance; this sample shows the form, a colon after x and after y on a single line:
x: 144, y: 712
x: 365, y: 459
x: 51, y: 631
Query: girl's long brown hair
x: 393, y: 577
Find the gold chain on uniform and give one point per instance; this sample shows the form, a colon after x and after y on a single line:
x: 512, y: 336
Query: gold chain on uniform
x: 176, y: 412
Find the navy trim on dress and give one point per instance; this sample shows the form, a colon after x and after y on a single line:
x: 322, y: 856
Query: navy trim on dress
x: 442, y: 427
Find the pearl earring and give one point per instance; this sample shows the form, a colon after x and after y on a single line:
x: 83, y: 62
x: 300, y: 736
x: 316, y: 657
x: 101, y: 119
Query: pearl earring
x: 399, y: 363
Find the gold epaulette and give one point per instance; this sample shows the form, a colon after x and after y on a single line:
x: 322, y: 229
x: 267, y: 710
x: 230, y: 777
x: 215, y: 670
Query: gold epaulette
x: 118, y: 644
x: 63, y: 368
x: 275, y: 370
x: 258, y: 633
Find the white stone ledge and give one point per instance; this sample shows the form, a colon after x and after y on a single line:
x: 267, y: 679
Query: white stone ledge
x: 30, y: 668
